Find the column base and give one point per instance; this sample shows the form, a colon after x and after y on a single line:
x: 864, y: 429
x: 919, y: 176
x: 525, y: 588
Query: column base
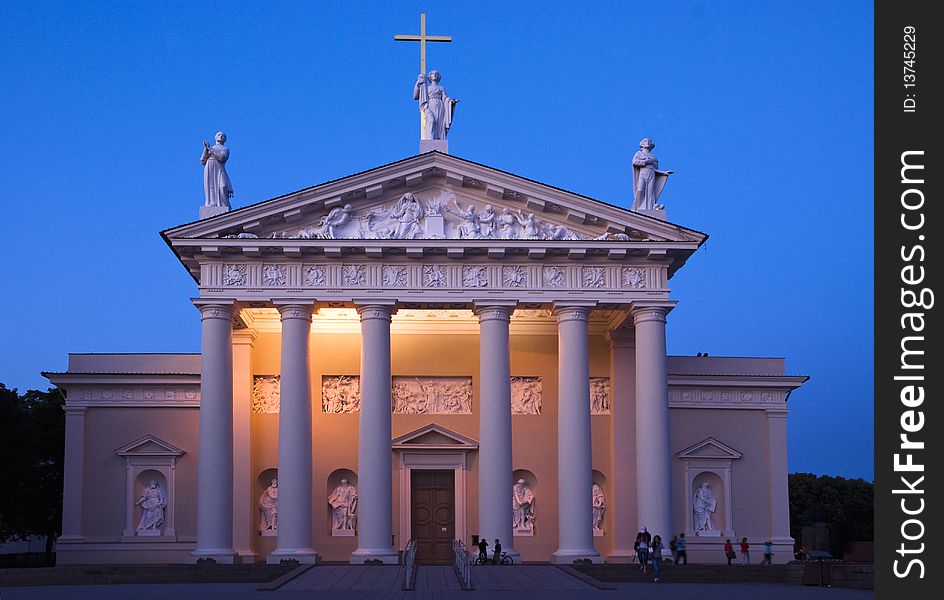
x: 388, y: 556
x: 221, y: 556
x: 567, y: 557
x: 246, y: 558
x: 304, y: 556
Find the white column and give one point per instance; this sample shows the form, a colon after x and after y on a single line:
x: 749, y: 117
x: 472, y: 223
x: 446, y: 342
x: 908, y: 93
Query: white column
x: 495, y: 459
x: 574, y: 459
x: 295, y: 499
x: 620, y: 521
x: 779, y: 492
x: 244, y: 500
x: 73, y: 475
x: 374, y: 456
x: 215, y: 463
x: 653, y: 456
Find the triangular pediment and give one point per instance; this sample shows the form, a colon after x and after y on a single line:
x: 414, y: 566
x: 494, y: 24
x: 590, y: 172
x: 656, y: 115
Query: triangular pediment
x: 149, y: 445
x: 454, y: 199
x: 434, y: 436
x: 709, y: 448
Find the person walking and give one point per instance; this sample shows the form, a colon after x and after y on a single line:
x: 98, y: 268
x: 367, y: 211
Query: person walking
x: 745, y: 552
x: 643, y: 539
x: 681, y: 553
x: 729, y: 551
x: 673, y: 546
x: 768, y: 553
x: 656, y: 551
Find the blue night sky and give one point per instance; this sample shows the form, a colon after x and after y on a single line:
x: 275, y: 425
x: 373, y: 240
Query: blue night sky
x: 764, y: 110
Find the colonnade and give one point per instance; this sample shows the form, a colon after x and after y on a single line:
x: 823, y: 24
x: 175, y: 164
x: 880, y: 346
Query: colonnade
x: 375, y: 502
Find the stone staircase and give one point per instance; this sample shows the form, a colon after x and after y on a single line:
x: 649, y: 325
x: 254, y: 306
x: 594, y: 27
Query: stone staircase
x: 111, y: 574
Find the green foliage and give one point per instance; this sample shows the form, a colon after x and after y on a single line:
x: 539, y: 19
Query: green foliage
x: 32, y: 441
x: 847, y: 505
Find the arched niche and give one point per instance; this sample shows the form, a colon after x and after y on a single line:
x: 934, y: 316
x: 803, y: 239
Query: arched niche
x: 150, y: 503
x: 598, y: 478
x: 263, y: 481
x: 149, y: 458
x: 346, y: 523
x: 530, y: 480
x: 711, y: 461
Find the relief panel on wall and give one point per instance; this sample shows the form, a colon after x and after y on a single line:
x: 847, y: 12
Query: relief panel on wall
x: 432, y: 395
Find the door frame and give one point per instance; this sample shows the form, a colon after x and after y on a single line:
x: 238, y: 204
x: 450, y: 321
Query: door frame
x: 431, y: 460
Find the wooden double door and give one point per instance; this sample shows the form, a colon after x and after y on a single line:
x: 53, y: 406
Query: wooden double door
x: 433, y: 515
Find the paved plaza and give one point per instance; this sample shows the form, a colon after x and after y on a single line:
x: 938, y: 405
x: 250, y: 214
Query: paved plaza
x: 344, y: 582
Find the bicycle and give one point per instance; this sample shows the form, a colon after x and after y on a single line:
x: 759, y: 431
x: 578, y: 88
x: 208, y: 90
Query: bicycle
x: 505, y: 560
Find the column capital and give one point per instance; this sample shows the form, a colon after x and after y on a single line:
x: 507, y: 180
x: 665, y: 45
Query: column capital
x: 650, y: 310
x: 215, y: 308
x: 295, y: 309
x: 497, y: 310
x: 370, y: 309
x: 571, y: 311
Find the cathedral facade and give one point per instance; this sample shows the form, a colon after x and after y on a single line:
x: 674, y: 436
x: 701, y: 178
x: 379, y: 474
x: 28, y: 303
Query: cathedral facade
x: 432, y: 350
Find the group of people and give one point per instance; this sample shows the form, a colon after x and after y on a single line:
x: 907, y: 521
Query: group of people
x: 650, y: 548
x: 745, y: 551
x: 483, y: 552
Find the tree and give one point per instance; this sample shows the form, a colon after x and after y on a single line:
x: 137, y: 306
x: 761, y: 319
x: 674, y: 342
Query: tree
x: 32, y: 443
x: 847, y: 505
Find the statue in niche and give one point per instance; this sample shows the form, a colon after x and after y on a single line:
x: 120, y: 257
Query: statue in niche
x: 598, y: 503
x: 152, y: 503
x: 704, y: 504
x: 648, y: 180
x: 217, y: 187
x: 529, y: 226
x: 269, y: 507
x: 435, y: 105
x: 343, y: 501
x: 522, y: 506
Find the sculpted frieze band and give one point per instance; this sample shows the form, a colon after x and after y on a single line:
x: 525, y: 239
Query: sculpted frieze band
x: 255, y: 277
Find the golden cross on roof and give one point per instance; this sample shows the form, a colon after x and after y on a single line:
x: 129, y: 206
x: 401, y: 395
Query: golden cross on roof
x: 422, y: 38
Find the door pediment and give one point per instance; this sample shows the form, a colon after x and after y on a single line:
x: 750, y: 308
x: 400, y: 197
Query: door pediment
x: 434, y: 437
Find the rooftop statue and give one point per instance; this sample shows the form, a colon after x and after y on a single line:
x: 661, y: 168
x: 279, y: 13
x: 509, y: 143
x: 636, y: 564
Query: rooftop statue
x: 436, y: 107
x: 217, y: 187
x: 648, y: 180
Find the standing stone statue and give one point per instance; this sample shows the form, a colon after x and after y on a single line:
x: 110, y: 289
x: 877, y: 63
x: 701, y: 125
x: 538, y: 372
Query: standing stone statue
x: 598, y: 502
x: 648, y: 180
x: 152, y: 503
x: 343, y: 501
x: 436, y: 107
x: 704, y: 504
x: 217, y: 187
x: 522, y: 505
x: 269, y: 507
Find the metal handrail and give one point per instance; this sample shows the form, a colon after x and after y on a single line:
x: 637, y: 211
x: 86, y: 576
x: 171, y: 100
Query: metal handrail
x: 409, y: 566
x: 462, y: 564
